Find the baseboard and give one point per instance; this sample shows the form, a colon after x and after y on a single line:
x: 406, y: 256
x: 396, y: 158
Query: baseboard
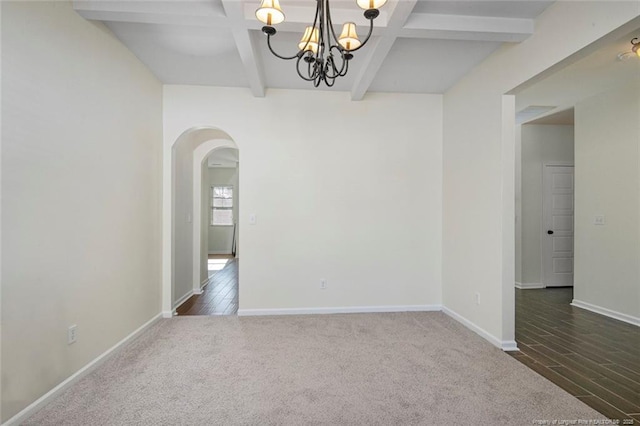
x: 204, y: 283
x: 509, y: 346
x: 220, y: 252
x: 606, y: 312
x: 75, y: 377
x: 168, y: 314
x: 529, y: 286
x: 505, y: 345
x: 183, y: 299
x: 340, y: 310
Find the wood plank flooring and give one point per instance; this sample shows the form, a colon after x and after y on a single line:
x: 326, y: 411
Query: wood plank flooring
x: 593, y: 357
x: 219, y: 297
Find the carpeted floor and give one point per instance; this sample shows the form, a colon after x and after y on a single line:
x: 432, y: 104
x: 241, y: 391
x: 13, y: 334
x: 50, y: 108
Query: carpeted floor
x: 368, y: 369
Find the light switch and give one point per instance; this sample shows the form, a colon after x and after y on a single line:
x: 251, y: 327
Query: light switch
x: 252, y: 219
x: 599, y: 220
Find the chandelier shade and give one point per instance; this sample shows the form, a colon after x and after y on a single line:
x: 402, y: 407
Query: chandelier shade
x: 370, y: 4
x: 349, y: 38
x: 635, y: 43
x: 309, y: 40
x: 322, y: 56
x: 270, y: 12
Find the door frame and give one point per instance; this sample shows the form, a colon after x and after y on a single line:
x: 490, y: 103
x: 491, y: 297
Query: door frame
x: 543, y: 278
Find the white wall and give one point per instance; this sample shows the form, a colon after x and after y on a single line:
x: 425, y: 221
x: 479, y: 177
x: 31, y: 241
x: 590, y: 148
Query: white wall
x: 204, y: 221
x: 540, y: 144
x: 607, y: 258
x: 221, y: 237
x: 81, y: 152
x: 479, y: 157
x: 357, y: 204
x: 183, y: 224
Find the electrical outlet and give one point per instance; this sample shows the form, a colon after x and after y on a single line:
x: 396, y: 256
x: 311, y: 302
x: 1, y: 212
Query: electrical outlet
x: 72, y: 334
x: 477, y: 298
x: 323, y: 283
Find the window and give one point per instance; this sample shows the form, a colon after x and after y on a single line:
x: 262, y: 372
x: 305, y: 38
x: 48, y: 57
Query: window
x: 222, y: 205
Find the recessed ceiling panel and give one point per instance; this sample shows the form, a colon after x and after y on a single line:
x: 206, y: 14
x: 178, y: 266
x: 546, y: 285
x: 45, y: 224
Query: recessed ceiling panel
x: 502, y: 9
x: 185, y: 54
x: 429, y: 65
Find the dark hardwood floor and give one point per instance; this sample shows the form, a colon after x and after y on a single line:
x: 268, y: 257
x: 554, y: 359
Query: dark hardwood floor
x: 593, y: 357
x: 219, y: 297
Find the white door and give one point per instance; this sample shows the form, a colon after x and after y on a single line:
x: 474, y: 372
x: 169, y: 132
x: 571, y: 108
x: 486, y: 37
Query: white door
x: 557, y: 226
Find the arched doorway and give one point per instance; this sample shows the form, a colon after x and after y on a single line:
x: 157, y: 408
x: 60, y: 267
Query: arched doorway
x: 182, y: 273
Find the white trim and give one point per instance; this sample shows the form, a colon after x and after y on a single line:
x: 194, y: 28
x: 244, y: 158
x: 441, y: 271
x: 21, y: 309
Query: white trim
x: 529, y: 286
x: 509, y: 346
x: 606, y: 312
x: 75, y: 377
x: 340, y: 310
x: 505, y: 345
x: 204, y: 282
x: 168, y: 314
x: 183, y: 299
x: 221, y: 251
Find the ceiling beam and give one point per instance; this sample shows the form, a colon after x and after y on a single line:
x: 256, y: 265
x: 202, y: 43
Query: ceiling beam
x: 244, y: 43
x: 379, y: 51
x: 169, y: 13
x: 459, y: 27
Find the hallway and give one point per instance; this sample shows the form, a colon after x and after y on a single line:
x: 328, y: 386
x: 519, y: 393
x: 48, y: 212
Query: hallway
x: 593, y: 357
x: 220, y: 295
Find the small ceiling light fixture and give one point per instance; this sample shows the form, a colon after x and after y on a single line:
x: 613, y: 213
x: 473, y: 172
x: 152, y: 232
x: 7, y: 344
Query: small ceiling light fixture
x: 635, y: 42
x: 322, y: 56
x: 635, y: 50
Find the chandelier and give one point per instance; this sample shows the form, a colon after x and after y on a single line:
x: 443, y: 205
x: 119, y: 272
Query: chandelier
x: 322, y: 56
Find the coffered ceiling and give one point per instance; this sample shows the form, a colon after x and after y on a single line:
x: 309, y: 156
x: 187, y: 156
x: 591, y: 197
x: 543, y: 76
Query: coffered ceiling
x: 418, y: 46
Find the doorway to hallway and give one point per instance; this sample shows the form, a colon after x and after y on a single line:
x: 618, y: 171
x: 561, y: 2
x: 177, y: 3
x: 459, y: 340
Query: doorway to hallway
x: 220, y: 294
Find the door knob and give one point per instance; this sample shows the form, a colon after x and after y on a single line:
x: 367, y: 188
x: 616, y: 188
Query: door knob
x: 550, y: 232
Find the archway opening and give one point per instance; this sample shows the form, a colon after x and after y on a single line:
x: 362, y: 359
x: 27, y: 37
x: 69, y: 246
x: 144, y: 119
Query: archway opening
x: 186, y: 249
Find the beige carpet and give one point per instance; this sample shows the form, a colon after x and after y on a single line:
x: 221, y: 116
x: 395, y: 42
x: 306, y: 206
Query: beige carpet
x: 360, y: 369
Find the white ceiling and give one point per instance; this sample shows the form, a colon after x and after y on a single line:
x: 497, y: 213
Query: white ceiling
x: 564, y: 118
x: 597, y: 72
x: 419, y: 46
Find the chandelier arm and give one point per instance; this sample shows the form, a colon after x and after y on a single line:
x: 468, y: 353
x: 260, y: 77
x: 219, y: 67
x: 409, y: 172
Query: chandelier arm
x: 315, y: 21
x: 297, y: 55
x: 323, y: 18
x: 300, y: 52
x: 366, y: 38
x: 343, y: 68
x: 313, y: 74
x: 345, y: 62
x: 329, y: 66
x: 330, y: 23
x: 329, y: 79
x: 310, y: 78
